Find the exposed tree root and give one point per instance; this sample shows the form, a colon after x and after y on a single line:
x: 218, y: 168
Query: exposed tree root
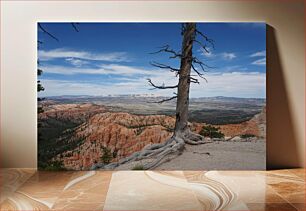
x: 159, y: 153
x: 195, y: 139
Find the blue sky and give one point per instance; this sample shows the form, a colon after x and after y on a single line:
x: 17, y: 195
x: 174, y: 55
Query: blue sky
x: 114, y: 58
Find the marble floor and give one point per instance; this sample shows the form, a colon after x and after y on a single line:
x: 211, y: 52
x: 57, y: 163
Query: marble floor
x: 29, y: 189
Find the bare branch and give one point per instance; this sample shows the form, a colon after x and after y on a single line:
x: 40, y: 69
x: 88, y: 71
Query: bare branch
x: 165, y: 100
x: 211, y: 41
x: 201, y: 64
x: 197, y: 61
x: 75, y: 27
x: 203, y: 46
x: 183, y: 28
x: 194, y: 80
x: 195, y: 70
x: 48, y: 33
x: 39, y: 43
x: 198, y: 73
x: 39, y: 71
x: 163, y: 66
x: 167, y: 49
x: 161, y: 49
x: 161, y: 87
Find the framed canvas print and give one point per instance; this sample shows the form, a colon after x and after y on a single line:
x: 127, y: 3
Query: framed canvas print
x: 139, y: 96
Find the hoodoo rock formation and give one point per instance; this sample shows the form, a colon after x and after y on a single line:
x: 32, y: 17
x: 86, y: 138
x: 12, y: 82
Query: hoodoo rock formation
x: 119, y: 134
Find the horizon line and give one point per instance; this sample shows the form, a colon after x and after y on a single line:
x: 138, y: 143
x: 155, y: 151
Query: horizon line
x: 143, y: 95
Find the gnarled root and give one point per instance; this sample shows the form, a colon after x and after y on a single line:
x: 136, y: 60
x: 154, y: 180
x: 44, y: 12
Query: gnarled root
x: 195, y: 139
x: 159, y: 153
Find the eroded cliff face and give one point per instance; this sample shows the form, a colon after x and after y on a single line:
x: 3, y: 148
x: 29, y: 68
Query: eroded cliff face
x: 255, y: 126
x: 120, y: 133
x: 99, y: 132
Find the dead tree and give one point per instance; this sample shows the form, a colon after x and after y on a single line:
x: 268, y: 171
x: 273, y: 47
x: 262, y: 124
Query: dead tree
x: 157, y: 153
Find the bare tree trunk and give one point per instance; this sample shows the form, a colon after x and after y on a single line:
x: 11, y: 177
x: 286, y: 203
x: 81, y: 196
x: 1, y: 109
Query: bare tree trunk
x: 156, y: 154
x: 182, y: 104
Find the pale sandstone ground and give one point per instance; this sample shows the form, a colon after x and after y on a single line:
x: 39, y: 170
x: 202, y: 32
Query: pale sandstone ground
x: 222, y: 156
x: 216, y: 156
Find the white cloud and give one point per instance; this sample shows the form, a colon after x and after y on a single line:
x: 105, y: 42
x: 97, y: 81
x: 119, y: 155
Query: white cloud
x: 76, y: 62
x: 235, y: 84
x: 258, y: 54
x: 133, y: 86
x: 210, y: 54
x: 127, y: 70
x: 104, y: 69
x: 234, y: 68
x: 228, y: 56
x: 260, y: 62
x: 65, y: 53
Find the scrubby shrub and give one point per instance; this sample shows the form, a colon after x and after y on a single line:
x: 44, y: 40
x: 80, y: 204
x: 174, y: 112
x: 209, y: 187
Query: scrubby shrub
x: 115, y: 153
x: 138, y: 167
x: 107, y: 155
x: 55, y: 166
x: 211, y: 132
x: 139, y: 130
x: 247, y: 136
